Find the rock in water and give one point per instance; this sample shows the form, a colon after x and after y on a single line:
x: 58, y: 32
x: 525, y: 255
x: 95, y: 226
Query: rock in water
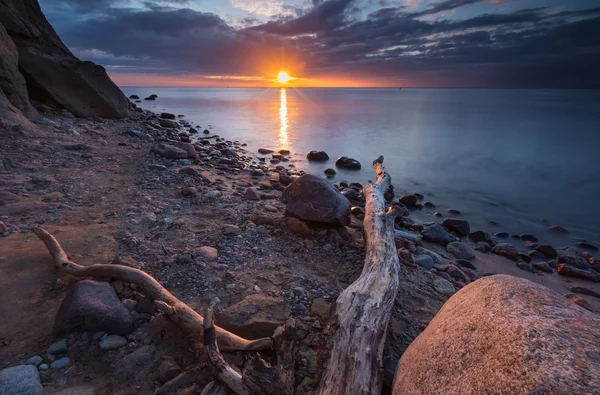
x: 92, y: 306
x: 255, y: 316
x: 317, y: 156
x: 348, y: 163
x: 507, y: 335
x: 311, y: 198
x: 59, y: 78
x: 20, y: 380
x: 459, y: 226
x: 437, y: 233
x: 506, y: 250
x: 460, y: 250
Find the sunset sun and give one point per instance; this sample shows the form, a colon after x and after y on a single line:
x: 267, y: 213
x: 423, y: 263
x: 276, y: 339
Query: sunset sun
x: 283, y: 77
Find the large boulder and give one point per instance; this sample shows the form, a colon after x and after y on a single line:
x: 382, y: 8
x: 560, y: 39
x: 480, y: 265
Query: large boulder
x: 504, y: 335
x: 92, y: 306
x: 20, y: 380
x: 311, y: 198
x: 317, y: 156
x: 53, y: 75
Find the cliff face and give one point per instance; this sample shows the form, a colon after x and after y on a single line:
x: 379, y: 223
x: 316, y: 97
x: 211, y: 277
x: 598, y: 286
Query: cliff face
x: 37, y: 68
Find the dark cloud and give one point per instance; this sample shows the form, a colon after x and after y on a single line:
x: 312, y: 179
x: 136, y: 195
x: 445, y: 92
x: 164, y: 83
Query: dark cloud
x: 530, y: 47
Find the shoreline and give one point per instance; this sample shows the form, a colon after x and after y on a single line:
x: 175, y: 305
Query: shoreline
x: 199, y: 231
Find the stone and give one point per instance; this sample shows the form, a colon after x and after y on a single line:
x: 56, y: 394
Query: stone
x: 574, y: 258
x: 231, y: 230
x: 443, y: 287
x: 459, y: 226
x: 92, y: 306
x: 252, y: 194
x: 409, y: 200
x: 265, y: 151
x: 255, y: 316
x: 35, y: 360
x: 20, y: 380
x: 578, y: 300
x: 168, y: 124
x: 527, y: 237
x: 296, y: 226
x: 482, y: 246
x: 536, y: 255
x: 167, y: 370
x: 587, y: 246
x: 481, y: 236
x: 317, y: 156
x: 43, y: 366
x: 131, y: 364
x: 547, y: 250
x: 428, y: 204
x: 189, y: 191
x: 348, y: 163
x: 494, y: 330
x: 58, y: 347
x: 460, y: 250
x: 112, y: 342
x: 543, y: 267
x: 208, y: 254
x: 436, y: 233
x: 257, y: 173
x: 425, y: 261
x: 330, y: 172
x: 190, y: 171
x: 506, y: 250
x: 134, y: 97
x: 169, y: 151
x: 558, y: 229
x: 187, y: 147
x: 166, y: 115
x: 211, y: 195
x: 311, y: 198
x: 320, y: 308
x: 350, y: 193
x: 60, y: 363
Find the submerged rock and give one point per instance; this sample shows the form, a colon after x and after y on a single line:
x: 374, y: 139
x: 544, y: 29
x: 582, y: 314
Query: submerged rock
x: 348, y: 163
x: 459, y: 226
x: 506, y: 250
x: 437, y: 233
x: 317, y: 156
x: 409, y: 200
x: 558, y: 229
x: 311, y: 198
x: 493, y: 329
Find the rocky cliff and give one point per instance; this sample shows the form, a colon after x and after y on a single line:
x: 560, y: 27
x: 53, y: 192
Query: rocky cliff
x: 37, y: 69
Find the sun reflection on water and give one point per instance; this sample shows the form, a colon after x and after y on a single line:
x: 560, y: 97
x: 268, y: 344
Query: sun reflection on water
x: 283, y: 119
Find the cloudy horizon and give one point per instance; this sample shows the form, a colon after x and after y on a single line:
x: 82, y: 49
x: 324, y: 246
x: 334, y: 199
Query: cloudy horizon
x: 416, y: 43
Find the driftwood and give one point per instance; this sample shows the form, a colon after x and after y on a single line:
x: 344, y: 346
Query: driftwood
x: 570, y: 271
x: 362, y: 310
x: 180, y: 313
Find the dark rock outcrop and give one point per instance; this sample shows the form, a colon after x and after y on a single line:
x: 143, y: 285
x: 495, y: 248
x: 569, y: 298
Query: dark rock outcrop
x: 348, y: 163
x: 503, y: 334
x: 317, y: 156
x: 48, y: 73
x: 311, y: 198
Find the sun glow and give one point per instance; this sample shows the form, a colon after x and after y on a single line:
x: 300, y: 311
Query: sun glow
x: 283, y: 77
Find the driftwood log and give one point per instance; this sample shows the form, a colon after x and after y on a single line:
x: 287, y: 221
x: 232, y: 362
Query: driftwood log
x: 362, y: 311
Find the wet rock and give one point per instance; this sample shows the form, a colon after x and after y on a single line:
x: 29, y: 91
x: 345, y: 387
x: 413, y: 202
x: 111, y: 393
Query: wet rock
x: 587, y: 246
x: 501, y: 235
x: 350, y: 193
x: 525, y: 266
x: 437, y: 233
x: 479, y: 235
x: 465, y: 263
x: 425, y: 261
x: 35, y: 360
x: 428, y: 204
x: 231, y: 230
x: 443, y: 287
x: 134, y: 97
x: 166, y: 115
x: 255, y: 316
x: 574, y: 258
x: 189, y: 191
x: 558, y: 229
x: 296, y: 226
x: 459, y: 226
x: 460, y: 250
x: 252, y: 194
x: 536, y: 255
x: 60, y: 363
x: 257, y: 173
x: 482, y: 246
x: 207, y: 254
x: 20, y: 380
x: 348, y: 163
x: 265, y: 151
x: 543, y: 267
x: 506, y: 250
x: 311, y: 198
x: 409, y: 200
x: 169, y: 151
x: 330, y: 172
x: 92, y: 306
x: 547, y: 250
x: 317, y: 156
x: 531, y: 238
x: 454, y: 211
x: 112, y: 342
x: 58, y: 347
x: 509, y: 321
x: 168, y: 124
x: 131, y: 364
x: 357, y: 211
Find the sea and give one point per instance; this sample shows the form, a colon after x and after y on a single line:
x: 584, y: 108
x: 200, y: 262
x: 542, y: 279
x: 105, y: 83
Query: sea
x: 509, y: 160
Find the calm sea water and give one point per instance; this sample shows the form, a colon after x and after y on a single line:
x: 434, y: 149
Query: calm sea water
x: 522, y: 158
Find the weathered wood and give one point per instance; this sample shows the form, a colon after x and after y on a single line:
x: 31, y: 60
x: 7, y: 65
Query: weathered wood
x: 180, y: 313
x: 362, y: 310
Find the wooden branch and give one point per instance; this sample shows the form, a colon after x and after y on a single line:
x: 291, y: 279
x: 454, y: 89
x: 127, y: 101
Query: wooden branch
x: 180, y: 313
x: 362, y: 310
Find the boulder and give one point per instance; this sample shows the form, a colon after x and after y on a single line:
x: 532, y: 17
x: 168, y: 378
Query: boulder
x: 134, y: 97
x: 311, y: 198
x: 20, y: 380
x: 317, y: 156
x: 347, y: 163
x: 53, y: 75
x: 254, y: 317
x: 574, y: 258
x: 437, y: 234
x: 169, y: 151
x: 330, y: 172
x: 459, y: 226
x: 187, y: 147
x: 131, y: 364
x: 265, y: 151
x: 460, y: 250
x: 506, y: 250
x: 350, y: 193
x: 503, y: 334
x: 409, y: 200
x: 166, y: 115
x: 92, y: 306
x: 547, y: 250
x: 167, y: 123
x: 297, y: 227
x: 481, y: 236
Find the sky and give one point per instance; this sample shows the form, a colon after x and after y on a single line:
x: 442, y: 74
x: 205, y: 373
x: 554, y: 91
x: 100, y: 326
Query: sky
x: 346, y: 43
